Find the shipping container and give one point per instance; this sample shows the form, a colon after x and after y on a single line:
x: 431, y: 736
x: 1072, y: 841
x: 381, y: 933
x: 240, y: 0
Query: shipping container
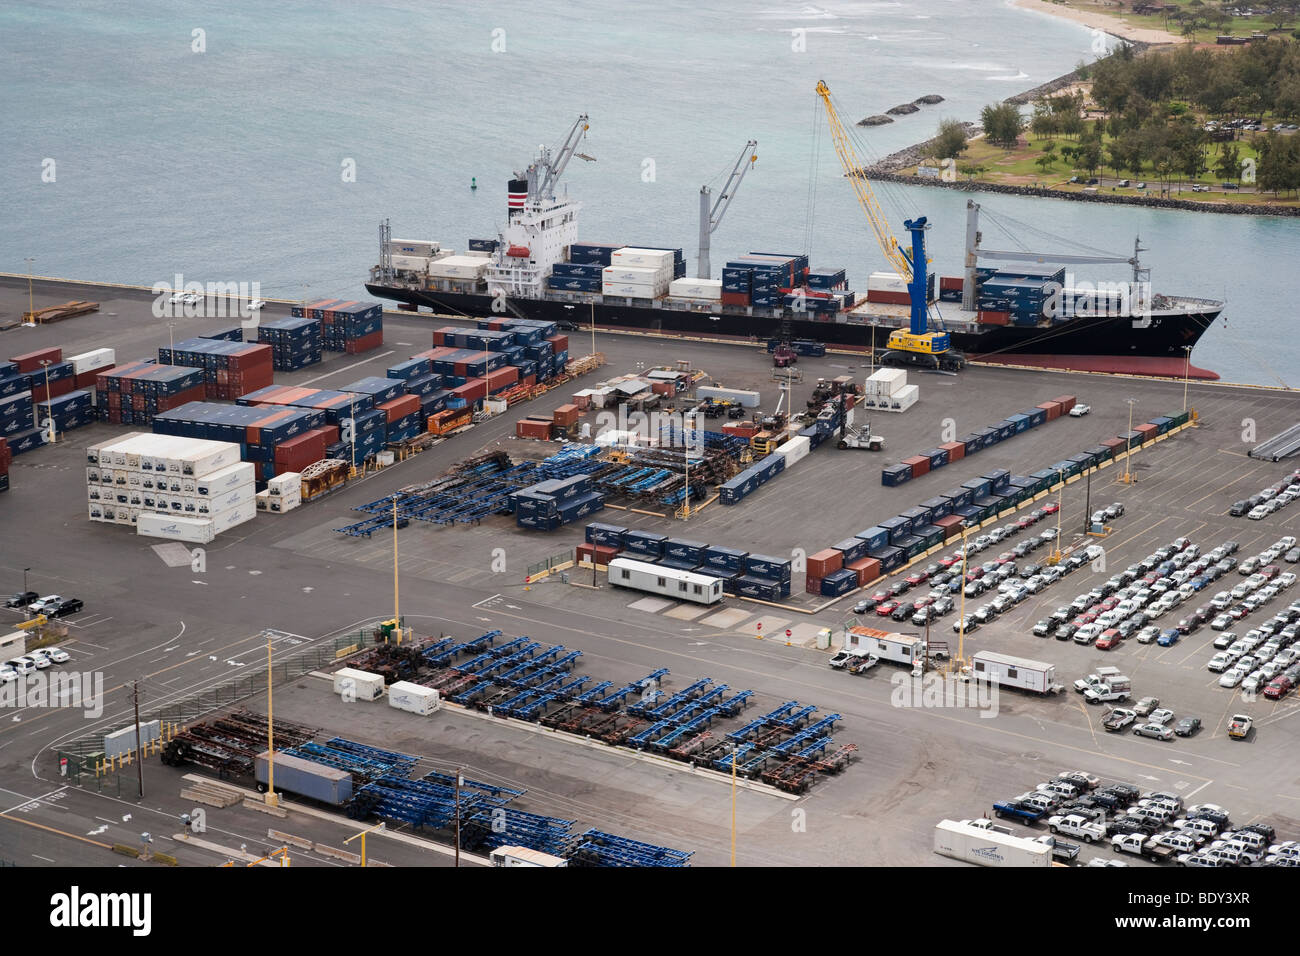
x: 824, y: 562
x: 413, y: 698
x: 919, y: 464
x: 306, y: 778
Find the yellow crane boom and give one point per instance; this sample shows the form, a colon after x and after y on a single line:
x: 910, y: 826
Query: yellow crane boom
x: 861, y: 188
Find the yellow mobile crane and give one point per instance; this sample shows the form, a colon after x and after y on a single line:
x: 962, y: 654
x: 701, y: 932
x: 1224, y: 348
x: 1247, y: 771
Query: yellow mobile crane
x: 919, y: 345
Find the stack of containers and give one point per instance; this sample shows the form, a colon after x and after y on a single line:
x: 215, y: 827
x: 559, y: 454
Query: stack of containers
x: 283, y: 493
x: 276, y: 438
x: 637, y: 273
x: 13, y: 381
x: 751, y: 479
x: 186, y: 489
x: 644, y: 544
x: 49, y: 380
x: 1019, y: 294
x: 576, y: 277
x: 6, y: 456
x: 15, y: 414
x: 132, y: 394
x: 820, y: 565
x: 88, y: 365
x: 69, y: 411
x: 547, y: 505
x: 347, y: 326
x: 233, y: 333
x: 403, y: 418
x: 890, y: 288
x: 296, y: 342
x: 230, y: 369
x: 702, y: 290
x: 887, y: 390
x: 950, y: 288
x: 592, y: 253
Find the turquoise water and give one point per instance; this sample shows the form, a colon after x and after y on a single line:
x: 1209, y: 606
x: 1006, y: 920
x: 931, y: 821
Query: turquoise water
x: 227, y: 165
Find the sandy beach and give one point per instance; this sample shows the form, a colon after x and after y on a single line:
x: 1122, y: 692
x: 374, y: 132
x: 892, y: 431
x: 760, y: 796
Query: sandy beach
x: 1114, y: 25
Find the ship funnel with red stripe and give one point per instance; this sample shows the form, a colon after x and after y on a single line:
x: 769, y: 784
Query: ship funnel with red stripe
x: 517, y: 193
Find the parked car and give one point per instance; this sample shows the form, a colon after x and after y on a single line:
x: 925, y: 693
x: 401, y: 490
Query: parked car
x: 1155, y: 731
x: 1080, y: 410
x: 1187, y: 726
x: 1144, y: 706
x: 1240, y: 726
x: 22, y: 599
x: 64, y: 608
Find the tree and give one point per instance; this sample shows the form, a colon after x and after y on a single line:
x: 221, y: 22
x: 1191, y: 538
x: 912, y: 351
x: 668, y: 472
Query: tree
x: 1228, y: 165
x: 1045, y: 162
x: 1044, y: 123
x: 1002, y: 124
x: 1090, y: 156
x: 951, y: 141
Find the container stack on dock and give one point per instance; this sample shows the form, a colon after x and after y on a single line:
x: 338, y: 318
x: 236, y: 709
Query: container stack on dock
x: 887, y: 391
x: 547, y: 505
x: 742, y: 573
x: 185, y: 489
x: 88, y: 366
x: 67, y: 412
x: 890, y: 288
x: 636, y: 273
x: 346, y: 326
x: 928, y: 461
x: 132, y: 394
x: 275, y: 439
x: 229, y: 368
x: 369, y: 425
x: 48, y: 375
x: 282, y: 493
x: 1015, y: 296
x: 6, y: 456
x: 296, y: 342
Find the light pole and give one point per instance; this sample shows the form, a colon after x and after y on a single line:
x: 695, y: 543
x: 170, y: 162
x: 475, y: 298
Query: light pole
x: 1187, y: 369
x: 961, y: 624
x: 271, y: 799
x: 54, y: 428
x: 397, y: 620
x: 1128, y: 442
x: 593, y: 328
x: 25, y: 570
x: 1060, y: 508
x: 733, y: 804
x: 31, y: 307
x: 171, y: 343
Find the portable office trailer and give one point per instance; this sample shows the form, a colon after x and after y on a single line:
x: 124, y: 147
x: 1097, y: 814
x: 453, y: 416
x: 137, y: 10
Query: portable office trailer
x: 669, y: 582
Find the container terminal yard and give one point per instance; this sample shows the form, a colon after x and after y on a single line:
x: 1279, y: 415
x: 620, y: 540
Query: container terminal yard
x: 582, y: 757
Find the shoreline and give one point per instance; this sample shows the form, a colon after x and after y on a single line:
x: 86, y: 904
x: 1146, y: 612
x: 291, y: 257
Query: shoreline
x: 1116, y: 26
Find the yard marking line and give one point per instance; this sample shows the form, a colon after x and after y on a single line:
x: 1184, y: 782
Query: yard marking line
x: 347, y: 367
x: 1188, y: 796
x: 45, y: 858
x: 42, y: 826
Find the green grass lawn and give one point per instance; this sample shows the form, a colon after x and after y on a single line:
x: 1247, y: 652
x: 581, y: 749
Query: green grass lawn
x: 1238, y: 26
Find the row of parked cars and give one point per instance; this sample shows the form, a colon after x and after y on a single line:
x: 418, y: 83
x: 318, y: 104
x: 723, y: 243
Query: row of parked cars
x: 1269, y: 500
x: 1128, y: 603
x: 1154, y: 825
x: 1156, y: 722
x: 52, y: 605
x: 945, y: 578
x: 30, y: 663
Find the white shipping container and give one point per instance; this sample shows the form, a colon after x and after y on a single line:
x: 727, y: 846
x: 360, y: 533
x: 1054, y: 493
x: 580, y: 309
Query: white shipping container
x: 226, y: 479
x: 353, y: 684
x: 886, y: 381
x: 203, y: 457
x: 744, y: 398
x: 971, y: 844
x: 280, y: 484
x: 632, y: 256
x: 633, y: 291
x: 710, y: 289
x: 886, y: 282
x: 413, y: 247
x: 231, y: 498
x: 88, y: 361
x: 900, y: 401
x: 635, y: 274
x: 231, y: 517
x: 414, y: 698
x: 284, y: 503
x: 795, y: 450
x: 418, y: 264
x: 458, y: 267
x: 263, y: 501
x: 189, y: 530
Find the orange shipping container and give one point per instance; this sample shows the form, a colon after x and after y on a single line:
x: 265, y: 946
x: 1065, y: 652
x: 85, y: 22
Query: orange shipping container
x: 400, y: 407
x: 994, y: 318
x: 920, y: 465
x: 1066, y: 402
x: 955, y: 450
x: 824, y: 562
x: 742, y: 429
x: 1053, y: 410
x: 867, y: 570
x: 951, y: 525
x: 566, y: 415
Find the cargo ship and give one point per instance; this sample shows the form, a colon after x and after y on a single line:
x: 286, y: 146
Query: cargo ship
x: 535, y: 268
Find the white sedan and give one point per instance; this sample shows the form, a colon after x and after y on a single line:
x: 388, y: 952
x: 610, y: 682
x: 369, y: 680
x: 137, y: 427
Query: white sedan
x: 1080, y: 410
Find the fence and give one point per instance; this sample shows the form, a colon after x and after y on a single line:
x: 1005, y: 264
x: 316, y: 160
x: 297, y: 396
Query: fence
x: 541, y: 567
x: 85, y: 755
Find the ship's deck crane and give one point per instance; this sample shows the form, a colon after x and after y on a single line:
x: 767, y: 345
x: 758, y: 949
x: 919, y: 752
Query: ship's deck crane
x: 711, y: 215
x: 544, y: 172
x: 920, y: 346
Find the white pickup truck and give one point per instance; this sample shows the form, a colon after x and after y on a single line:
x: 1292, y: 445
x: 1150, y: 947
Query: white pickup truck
x: 1116, y: 688
x: 1075, y: 825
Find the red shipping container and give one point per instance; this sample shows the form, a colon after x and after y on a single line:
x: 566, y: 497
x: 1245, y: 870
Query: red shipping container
x: 824, y: 562
x: 742, y: 429
x: 538, y: 431
x: 252, y: 356
x: 501, y: 378
x: 254, y: 432
x: 529, y: 380
x: 302, y: 447
x: 951, y: 525
x: 1053, y: 410
x: 364, y: 344
x: 559, y: 343
x: 955, y: 449
x: 994, y: 318
x: 867, y: 570
x: 1148, y: 431
x: 566, y: 415
x: 735, y: 298
x: 950, y: 282
x: 400, y: 407
x: 1115, y: 444
x: 474, y: 390
x: 31, y: 361
x: 811, y: 585
x: 920, y: 465
x: 329, y: 433
x: 1066, y: 402
x: 886, y: 297
x: 597, y: 554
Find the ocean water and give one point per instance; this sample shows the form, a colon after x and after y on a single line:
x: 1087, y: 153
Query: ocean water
x: 229, y: 164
